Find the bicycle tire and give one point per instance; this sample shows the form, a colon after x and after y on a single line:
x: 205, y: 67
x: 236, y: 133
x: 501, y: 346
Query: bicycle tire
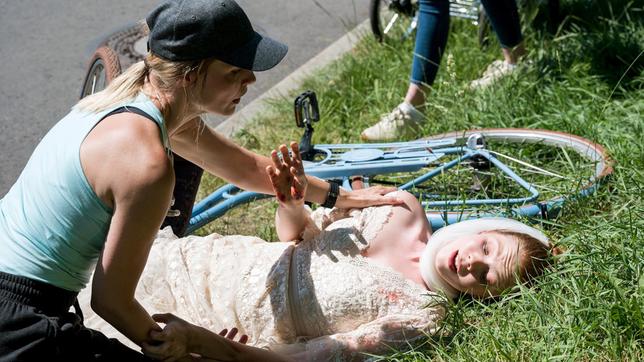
x: 102, y: 68
x: 376, y: 11
x: 542, y: 208
x: 374, y: 19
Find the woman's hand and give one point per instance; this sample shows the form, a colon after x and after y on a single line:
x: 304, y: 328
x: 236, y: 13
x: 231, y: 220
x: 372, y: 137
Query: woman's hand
x: 172, y: 342
x: 287, y: 176
x: 371, y: 196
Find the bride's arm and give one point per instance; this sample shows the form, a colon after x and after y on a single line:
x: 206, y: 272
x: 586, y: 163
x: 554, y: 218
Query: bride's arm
x: 212, y: 346
x: 289, y: 184
x: 376, y: 337
x: 290, y: 222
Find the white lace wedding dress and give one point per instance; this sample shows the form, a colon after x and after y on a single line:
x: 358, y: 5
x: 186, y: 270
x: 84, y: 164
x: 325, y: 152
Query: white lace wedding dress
x: 318, y: 300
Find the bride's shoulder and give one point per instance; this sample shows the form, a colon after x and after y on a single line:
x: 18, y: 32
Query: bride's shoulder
x: 345, y: 229
x: 325, y: 218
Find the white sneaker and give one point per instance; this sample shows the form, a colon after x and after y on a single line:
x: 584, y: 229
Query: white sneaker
x: 402, y: 121
x: 495, y: 71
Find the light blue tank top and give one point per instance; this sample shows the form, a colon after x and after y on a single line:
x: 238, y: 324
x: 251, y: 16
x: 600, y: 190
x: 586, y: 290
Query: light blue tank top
x: 52, y: 224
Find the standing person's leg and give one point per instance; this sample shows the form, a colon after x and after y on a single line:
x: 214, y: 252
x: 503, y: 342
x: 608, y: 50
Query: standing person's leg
x: 431, y: 38
x: 504, y: 17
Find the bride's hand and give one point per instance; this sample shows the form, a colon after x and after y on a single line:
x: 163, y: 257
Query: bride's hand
x: 287, y: 176
x: 371, y: 196
x: 231, y: 335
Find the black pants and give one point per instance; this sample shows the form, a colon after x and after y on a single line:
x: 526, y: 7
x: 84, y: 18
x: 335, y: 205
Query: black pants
x: 187, y: 177
x: 36, y: 325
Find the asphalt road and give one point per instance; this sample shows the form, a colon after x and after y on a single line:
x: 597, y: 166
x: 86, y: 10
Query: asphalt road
x: 44, y: 47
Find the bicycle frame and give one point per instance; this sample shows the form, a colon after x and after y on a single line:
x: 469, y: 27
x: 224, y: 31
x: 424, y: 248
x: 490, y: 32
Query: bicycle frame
x: 466, y: 9
x: 343, y: 161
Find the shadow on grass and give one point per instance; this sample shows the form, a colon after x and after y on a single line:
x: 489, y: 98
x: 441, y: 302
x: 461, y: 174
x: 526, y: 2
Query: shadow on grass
x: 608, y: 35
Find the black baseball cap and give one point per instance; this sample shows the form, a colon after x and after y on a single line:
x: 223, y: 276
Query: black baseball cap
x: 184, y: 30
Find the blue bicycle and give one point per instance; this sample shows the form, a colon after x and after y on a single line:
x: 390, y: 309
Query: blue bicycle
x: 456, y: 175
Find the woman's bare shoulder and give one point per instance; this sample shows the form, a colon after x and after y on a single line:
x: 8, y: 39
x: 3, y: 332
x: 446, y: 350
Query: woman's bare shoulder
x: 125, y: 151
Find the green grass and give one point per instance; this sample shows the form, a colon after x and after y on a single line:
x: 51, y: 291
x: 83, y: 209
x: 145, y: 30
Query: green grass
x: 587, y: 80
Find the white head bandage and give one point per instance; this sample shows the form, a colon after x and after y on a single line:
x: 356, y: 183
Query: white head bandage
x: 468, y: 227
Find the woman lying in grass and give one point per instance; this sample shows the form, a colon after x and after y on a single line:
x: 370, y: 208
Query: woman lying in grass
x: 353, y: 281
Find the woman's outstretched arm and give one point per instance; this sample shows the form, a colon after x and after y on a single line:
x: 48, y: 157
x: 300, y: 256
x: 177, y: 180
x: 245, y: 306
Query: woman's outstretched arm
x: 200, y: 341
x: 218, y: 155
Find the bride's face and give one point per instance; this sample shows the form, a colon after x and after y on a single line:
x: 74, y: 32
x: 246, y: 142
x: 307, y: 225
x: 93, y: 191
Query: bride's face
x: 481, y: 264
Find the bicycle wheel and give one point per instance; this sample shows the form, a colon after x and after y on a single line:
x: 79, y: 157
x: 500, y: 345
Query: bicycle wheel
x: 553, y: 167
x: 559, y: 165
x: 130, y: 43
x: 103, y: 67
x: 392, y: 18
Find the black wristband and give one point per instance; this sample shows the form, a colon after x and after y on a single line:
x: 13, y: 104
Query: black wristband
x: 332, y: 196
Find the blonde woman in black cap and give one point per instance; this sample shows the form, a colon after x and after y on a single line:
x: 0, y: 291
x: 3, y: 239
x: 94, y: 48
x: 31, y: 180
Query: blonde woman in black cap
x: 98, y: 185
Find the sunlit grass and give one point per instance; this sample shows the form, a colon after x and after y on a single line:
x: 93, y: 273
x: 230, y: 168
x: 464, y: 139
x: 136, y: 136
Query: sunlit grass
x: 586, y: 80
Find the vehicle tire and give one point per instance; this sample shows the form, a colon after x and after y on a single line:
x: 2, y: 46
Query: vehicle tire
x: 103, y: 67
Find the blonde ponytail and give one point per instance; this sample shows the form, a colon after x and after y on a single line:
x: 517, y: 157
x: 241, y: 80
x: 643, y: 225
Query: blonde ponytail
x: 128, y: 85
x: 124, y: 87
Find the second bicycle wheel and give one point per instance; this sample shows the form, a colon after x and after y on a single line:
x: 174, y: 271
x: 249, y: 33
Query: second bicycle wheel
x: 392, y: 18
x: 103, y: 67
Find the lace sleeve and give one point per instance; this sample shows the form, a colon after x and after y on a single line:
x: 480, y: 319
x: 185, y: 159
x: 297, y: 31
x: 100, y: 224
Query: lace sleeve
x: 368, y: 221
x: 320, y: 219
x: 376, y: 337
